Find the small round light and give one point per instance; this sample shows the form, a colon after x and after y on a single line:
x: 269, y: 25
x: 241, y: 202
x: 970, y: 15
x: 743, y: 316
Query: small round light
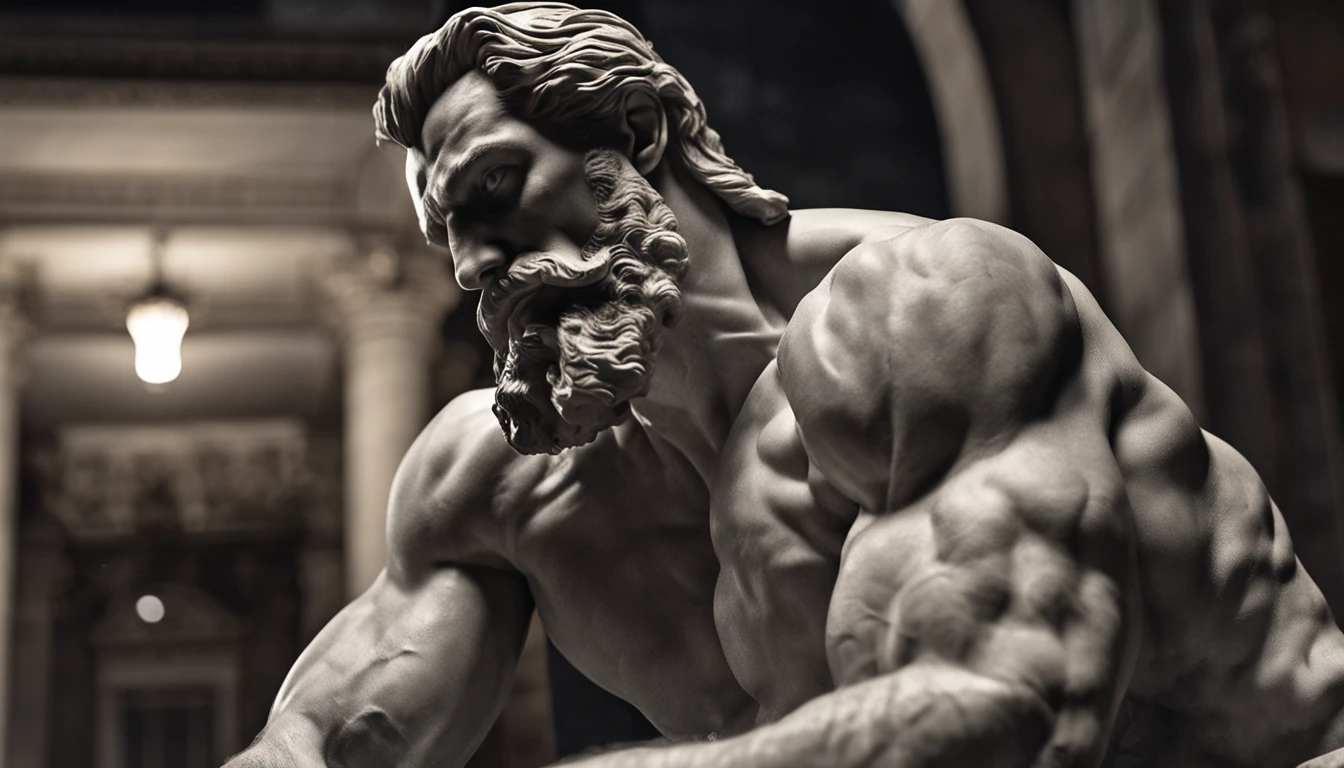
x: 150, y: 609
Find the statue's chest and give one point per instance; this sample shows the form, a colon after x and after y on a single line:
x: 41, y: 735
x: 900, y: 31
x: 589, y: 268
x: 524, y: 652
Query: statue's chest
x: 619, y: 560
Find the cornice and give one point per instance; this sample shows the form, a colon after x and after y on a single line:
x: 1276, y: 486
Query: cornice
x: 230, y: 60
x: 70, y: 195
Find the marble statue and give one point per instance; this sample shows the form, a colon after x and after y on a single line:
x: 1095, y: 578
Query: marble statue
x: 809, y: 488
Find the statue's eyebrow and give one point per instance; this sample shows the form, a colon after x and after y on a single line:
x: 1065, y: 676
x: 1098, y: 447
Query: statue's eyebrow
x: 459, y: 169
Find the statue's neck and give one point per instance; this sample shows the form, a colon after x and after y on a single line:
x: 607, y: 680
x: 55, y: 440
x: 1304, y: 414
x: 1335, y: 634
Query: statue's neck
x: 710, y: 360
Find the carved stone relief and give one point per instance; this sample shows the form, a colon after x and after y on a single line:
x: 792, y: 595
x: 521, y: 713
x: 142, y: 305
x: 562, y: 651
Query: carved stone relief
x: 107, y: 482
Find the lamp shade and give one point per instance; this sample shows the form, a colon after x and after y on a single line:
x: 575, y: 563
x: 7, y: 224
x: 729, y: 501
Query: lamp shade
x: 157, y: 325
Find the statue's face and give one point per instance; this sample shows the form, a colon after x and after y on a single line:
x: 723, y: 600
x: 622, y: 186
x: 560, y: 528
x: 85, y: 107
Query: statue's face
x: 501, y: 188
x: 576, y: 283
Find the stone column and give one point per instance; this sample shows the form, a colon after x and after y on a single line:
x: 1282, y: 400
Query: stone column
x: 1031, y: 62
x: 1137, y: 195
x: 13, y: 330
x: 391, y: 305
x: 43, y: 572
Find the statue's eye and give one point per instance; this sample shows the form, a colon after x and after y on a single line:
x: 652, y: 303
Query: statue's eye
x: 494, y: 179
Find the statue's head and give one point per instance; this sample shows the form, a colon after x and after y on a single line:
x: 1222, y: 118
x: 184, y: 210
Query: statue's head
x: 529, y: 130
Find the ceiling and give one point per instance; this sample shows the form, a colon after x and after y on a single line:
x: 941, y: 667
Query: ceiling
x: 89, y: 378
x: 80, y: 269
x: 254, y: 200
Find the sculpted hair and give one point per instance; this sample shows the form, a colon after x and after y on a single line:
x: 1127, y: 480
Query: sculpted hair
x: 567, y: 71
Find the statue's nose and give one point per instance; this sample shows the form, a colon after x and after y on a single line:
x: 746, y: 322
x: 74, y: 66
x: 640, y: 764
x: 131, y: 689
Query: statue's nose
x: 474, y: 265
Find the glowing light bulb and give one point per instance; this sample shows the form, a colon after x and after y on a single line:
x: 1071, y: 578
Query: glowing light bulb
x: 157, y: 325
x: 150, y: 609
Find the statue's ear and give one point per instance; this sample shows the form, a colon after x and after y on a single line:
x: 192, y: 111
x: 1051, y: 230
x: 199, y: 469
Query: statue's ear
x: 643, y: 131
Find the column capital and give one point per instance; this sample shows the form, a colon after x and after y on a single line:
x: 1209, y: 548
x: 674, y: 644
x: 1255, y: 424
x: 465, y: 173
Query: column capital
x: 389, y: 290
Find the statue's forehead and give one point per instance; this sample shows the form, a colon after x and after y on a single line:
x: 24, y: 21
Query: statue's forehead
x: 468, y: 109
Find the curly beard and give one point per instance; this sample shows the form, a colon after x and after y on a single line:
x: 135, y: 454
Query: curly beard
x: 565, y: 376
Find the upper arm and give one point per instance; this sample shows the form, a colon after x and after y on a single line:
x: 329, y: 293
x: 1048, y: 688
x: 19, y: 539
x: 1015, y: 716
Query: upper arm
x: 414, y: 671
x: 934, y: 379
x: 919, y: 349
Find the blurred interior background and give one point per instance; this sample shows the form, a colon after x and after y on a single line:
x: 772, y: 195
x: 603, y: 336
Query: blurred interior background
x: 167, y: 549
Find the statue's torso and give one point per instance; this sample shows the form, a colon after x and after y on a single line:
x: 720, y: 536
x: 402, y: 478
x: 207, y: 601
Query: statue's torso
x: 616, y: 544
x: 616, y: 551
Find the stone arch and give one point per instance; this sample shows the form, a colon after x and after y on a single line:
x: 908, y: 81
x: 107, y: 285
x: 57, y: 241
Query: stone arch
x: 963, y: 101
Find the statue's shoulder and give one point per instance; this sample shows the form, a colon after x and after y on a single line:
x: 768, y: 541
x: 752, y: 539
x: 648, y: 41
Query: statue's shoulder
x: 956, y: 287
x: 949, y: 261
x: 458, y: 485
x: 945, y: 332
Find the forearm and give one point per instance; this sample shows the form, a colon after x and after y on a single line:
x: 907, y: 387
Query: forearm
x: 1332, y: 760
x: 924, y: 715
x: 291, y: 741
x: 402, y: 677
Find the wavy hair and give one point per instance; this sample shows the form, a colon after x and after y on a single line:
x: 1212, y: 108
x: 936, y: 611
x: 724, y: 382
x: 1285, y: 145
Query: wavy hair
x: 567, y: 71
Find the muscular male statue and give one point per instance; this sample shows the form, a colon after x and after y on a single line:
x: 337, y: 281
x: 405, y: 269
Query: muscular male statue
x: 819, y: 488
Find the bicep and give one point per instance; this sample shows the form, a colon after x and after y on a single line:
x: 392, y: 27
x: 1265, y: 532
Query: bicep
x: 409, y: 673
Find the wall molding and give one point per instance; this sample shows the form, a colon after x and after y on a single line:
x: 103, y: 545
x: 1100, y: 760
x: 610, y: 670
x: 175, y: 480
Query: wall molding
x: 74, y: 195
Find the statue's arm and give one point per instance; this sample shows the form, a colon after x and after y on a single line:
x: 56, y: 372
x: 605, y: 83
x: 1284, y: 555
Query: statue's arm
x: 1332, y: 760
x: 985, y: 689
x: 414, y: 671
x: 1001, y: 612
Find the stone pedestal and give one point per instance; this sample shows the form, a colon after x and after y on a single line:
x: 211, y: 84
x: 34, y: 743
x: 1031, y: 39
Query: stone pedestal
x: 391, y: 306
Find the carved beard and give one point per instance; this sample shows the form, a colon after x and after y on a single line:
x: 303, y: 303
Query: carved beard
x: 568, y: 371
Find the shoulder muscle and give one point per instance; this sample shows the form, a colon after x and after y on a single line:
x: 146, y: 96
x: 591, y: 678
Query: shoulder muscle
x: 454, y: 480
x: 918, y: 347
